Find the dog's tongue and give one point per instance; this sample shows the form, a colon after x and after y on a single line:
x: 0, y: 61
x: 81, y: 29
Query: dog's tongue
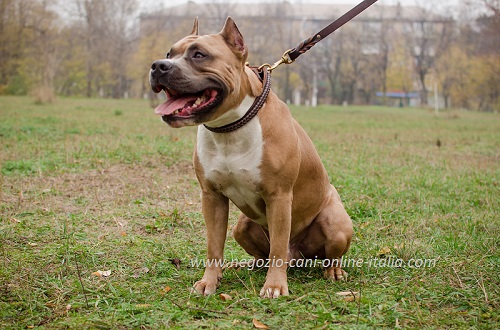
x: 174, y: 103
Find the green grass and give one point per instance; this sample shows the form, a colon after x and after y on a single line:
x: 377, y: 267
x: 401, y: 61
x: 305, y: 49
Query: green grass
x: 91, y: 185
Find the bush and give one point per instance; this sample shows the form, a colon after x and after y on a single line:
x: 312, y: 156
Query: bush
x: 17, y: 86
x: 43, y: 94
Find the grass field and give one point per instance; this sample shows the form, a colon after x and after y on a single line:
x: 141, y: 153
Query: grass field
x: 98, y: 185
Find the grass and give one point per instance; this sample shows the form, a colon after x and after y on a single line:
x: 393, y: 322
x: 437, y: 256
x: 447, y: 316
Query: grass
x: 90, y: 185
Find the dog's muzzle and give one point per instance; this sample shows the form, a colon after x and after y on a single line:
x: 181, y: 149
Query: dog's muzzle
x: 186, y: 99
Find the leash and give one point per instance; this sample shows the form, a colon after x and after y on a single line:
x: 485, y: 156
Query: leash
x: 291, y: 55
x: 264, y: 71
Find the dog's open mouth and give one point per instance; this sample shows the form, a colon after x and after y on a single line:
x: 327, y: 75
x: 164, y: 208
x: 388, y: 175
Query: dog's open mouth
x: 187, y: 105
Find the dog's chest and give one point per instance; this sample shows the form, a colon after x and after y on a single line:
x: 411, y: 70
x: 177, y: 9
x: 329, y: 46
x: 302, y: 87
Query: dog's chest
x: 231, y: 162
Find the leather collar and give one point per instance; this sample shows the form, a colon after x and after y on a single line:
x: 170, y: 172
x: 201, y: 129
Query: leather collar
x: 265, y: 76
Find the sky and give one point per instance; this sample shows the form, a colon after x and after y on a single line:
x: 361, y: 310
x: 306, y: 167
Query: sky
x: 168, y: 3
x: 450, y: 7
x: 454, y: 8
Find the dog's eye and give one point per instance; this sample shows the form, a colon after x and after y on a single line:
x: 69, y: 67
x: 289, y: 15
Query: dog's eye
x: 167, y: 55
x: 199, y: 55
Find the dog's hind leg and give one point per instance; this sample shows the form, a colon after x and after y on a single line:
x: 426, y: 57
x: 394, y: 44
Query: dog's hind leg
x: 252, y: 237
x: 328, y: 237
x: 336, y: 226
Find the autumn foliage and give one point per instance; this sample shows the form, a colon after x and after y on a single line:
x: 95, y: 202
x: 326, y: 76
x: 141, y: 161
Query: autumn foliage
x: 101, y: 49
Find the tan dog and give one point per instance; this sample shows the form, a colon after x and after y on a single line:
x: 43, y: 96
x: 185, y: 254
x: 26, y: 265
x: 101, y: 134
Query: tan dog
x: 268, y: 168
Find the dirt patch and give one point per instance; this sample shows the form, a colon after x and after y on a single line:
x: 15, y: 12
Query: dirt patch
x: 102, y: 190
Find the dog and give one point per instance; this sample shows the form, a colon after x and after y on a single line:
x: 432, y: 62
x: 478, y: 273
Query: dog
x: 268, y: 167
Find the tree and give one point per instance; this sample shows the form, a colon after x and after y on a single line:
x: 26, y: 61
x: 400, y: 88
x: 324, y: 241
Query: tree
x: 331, y: 56
x: 350, y: 69
x: 453, y: 71
x: 479, y: 39
x: 487, y: 70
x: 41, y: 69
x: 107, y: 33
x: 70, y: 78
x: 400, y: 69
x: 427, y: 37
x: 13, y: 38
x: 28, y: 47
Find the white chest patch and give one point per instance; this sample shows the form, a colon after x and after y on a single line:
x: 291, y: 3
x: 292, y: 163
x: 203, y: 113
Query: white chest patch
x: 231, y: 162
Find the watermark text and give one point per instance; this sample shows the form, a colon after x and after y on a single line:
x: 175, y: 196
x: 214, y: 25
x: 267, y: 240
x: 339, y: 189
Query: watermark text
x: 372, y: 262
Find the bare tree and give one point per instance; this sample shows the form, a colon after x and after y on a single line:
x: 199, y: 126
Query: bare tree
x: 28, y: 27
x: 42, y: 22
x: 331, y: 59
x: 13, y: 36
x: 107, y: 33
x: 427, y: 39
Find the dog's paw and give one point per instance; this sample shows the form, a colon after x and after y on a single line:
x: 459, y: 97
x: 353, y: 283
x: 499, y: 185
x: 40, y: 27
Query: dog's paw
x: 274, y: 291
x: 335, y: 274
x: 205, y: 287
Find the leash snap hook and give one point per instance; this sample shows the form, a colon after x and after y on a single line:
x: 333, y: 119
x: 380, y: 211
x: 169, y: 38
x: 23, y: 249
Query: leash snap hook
x: 285, y: 58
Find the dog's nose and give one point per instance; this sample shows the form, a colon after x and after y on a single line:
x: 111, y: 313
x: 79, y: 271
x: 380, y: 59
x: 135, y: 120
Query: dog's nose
x: 161, y: 66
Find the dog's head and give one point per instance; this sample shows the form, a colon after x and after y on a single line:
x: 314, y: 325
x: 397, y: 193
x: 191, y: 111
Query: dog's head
x: 202, y: 76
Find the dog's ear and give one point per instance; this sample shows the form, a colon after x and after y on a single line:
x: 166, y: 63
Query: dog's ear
x: 233, y: 37
x: 195, y: 27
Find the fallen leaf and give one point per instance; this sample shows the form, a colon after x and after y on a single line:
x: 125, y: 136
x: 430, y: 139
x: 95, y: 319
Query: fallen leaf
x: 225, y: 296
x: 106, y: 273
x: 15, y: 220
x: 348, y: 295
x: 102, y: 273
x: 142, y: 305
x: 176, y: 262
x: 384, y: 251
x: 399, y: 246
x: 33, y: 244
x: 384, y: 228
x: 350, y: 298
x: 259, y: 325
x: 167, y: 289
x: 123, y: 233
x: 68, y: 307
x: 139, y: 272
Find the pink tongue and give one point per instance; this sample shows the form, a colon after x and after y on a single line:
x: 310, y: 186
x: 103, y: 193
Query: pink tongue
x: 172, y: 104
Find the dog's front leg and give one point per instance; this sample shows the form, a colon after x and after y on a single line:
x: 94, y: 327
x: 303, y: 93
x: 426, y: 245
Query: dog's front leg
x: 279, y: 218
x: 215, y: 209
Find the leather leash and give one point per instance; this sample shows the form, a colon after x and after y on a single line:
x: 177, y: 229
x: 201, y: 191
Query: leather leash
x: 291, y: 55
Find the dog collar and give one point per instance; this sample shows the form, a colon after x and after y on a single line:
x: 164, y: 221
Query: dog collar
x: 265, y: 77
